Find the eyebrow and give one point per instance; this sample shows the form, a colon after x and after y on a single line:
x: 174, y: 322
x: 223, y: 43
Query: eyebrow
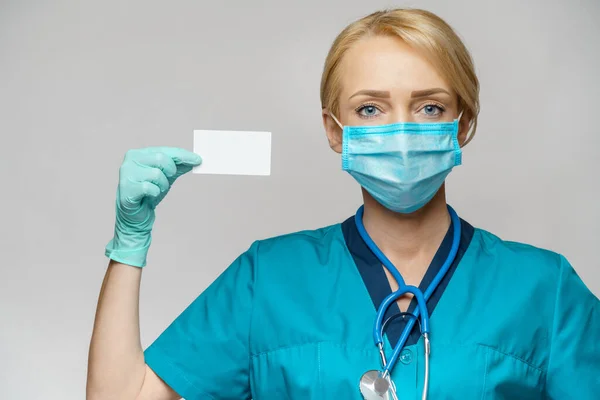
x: 428, y: 92
x: 383, y: 94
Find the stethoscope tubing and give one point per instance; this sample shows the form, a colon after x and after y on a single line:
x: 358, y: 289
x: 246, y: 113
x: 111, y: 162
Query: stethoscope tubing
x: 403, y: 288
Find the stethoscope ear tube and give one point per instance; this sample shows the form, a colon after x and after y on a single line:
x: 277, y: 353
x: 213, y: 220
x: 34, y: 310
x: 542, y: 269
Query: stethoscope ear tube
x: 403, y: 288
x: 427, y: 347
x: 387, y: 302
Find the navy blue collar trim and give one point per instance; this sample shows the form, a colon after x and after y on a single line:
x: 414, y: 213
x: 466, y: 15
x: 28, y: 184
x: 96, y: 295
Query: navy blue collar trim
x: 376, y: 282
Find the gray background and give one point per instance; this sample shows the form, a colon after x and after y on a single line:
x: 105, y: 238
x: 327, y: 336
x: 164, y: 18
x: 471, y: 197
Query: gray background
x: 83, y: 82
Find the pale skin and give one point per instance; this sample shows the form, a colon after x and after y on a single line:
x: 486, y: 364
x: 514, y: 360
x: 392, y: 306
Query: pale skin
x: 386, y: 81
x: 116, y: 367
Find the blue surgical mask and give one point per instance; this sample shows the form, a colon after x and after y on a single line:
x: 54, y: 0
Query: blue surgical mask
x: 401, y: 165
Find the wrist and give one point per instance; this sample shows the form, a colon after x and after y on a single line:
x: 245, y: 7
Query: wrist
x: 130, y: 249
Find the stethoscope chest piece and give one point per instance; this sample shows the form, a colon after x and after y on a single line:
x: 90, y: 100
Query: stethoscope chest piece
x: 375, y: 387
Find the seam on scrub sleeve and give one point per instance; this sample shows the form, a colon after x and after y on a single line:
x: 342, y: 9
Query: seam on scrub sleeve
x: 556, y: 300
x: 487, y: 360
x: 319, y: 382
x: 201, y: 393
x: 251, y: 322
x: 180, y: 374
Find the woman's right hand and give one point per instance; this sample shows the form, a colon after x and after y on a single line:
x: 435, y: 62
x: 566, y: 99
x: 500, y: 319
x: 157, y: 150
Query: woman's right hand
x: 145, y: 178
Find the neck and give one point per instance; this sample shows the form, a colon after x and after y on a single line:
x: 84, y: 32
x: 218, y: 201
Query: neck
x: 409, y: 240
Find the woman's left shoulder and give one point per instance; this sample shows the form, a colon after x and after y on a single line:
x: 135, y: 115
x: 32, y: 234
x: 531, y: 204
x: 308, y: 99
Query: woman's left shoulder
x: 524, y: 257
x: 532, y: 269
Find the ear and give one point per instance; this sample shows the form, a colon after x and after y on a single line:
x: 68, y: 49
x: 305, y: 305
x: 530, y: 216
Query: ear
x: 463, y: 128
x: 333, y: 131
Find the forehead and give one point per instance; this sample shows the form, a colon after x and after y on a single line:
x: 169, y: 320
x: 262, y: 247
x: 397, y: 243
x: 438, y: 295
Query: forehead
x: 387, y: 63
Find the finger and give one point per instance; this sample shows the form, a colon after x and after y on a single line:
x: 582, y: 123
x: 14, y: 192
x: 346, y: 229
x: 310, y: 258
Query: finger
x: 137, y: 191
x: 150, y: 190
x: 181, y: 170
x: 181, y: 156
x: 152, y: 175
x: 154, y: 159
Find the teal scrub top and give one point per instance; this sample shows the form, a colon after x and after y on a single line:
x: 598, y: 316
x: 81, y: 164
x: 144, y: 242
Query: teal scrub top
x: 292, y: 318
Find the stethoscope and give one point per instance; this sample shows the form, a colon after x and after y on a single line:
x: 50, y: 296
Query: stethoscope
x: 377, y: 385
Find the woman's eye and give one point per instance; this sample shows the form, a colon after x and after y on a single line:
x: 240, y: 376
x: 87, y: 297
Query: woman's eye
x: 368, y: 111
x: 431, y: 110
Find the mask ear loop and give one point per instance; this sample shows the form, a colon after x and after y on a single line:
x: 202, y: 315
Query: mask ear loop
x: 336, y: 120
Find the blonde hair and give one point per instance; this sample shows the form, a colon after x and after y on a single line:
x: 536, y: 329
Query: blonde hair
x: 423, y: 31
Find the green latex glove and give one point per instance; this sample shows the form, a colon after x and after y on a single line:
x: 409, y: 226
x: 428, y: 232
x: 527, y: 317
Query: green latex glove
x: 145, y: 178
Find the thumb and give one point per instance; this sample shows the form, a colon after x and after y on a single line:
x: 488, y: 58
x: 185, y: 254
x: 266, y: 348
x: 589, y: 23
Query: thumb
x: 181, y: 156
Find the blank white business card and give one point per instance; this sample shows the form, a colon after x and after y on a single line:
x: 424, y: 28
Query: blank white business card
x: 233, y: 152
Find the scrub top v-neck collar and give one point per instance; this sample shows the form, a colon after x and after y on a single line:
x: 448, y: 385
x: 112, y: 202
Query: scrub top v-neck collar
x: 377, y: 284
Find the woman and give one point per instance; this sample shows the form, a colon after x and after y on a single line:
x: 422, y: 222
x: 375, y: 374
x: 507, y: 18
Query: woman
x: 292, y: 317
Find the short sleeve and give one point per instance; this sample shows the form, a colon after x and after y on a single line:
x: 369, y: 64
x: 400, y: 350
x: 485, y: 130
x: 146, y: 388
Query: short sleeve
x: 574, y: 364
x: 204, y: 353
